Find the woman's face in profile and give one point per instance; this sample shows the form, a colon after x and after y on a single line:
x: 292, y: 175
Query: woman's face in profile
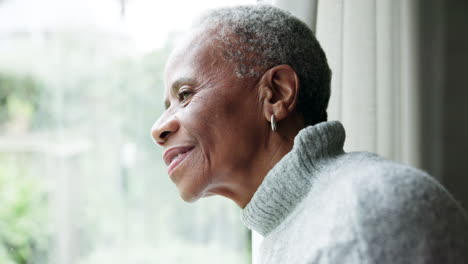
x: 212, y: 128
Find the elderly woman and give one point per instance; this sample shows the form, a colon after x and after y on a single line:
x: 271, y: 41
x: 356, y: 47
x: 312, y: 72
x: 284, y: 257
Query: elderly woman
x: 246, y: 99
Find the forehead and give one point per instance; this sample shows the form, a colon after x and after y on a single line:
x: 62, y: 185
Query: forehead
x: 194, y: 57
x: 194, y: 46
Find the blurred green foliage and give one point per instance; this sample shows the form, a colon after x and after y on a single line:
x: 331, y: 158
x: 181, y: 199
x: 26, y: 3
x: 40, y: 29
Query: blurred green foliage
x: 23, y: 214
x: 23, y: 210
x: 17, y: 97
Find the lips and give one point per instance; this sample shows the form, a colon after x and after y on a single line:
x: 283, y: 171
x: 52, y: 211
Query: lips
x: 175, y: 155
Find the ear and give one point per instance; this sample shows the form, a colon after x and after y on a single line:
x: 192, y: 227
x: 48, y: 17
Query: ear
x: 279, y: 88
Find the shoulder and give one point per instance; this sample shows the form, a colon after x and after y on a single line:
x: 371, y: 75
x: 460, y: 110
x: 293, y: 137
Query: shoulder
x: 396, y: 186
x: 401, y: 211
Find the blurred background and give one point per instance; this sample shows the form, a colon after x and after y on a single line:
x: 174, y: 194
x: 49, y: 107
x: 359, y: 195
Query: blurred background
x: 81, y: 181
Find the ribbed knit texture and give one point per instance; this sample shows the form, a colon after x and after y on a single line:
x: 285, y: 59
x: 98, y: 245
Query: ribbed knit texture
x: 322, y: 205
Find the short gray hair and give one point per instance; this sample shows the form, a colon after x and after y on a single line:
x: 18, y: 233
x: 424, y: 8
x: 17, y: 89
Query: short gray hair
x: 258, y: 37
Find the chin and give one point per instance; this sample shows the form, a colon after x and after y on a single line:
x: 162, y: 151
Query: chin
x: 190, y: 196
x: 192, y: 187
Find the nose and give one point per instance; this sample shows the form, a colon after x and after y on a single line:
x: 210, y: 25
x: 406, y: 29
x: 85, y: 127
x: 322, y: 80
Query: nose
x: 164, y: 128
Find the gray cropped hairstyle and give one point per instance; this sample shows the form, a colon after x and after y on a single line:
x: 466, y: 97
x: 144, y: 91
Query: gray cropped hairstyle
x: 256, y: 38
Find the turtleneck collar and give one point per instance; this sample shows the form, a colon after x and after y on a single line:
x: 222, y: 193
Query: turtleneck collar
x: 293, y: 176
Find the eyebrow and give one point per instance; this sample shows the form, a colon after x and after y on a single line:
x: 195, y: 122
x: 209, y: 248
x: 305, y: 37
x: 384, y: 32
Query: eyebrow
x: 176, y: 85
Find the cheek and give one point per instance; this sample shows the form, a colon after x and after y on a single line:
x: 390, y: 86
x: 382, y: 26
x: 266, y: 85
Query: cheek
x: 198, y: 126
x: 208, y: 117
x: 231, y: 133
x: 226, y: 130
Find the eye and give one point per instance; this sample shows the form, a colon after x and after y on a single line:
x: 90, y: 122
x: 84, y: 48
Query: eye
x: 184, y: 94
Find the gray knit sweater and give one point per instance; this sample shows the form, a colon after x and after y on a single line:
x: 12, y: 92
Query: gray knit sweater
x: 322, y: 205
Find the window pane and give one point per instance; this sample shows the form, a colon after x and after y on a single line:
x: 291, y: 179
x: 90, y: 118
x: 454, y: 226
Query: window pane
x: 80, y: 179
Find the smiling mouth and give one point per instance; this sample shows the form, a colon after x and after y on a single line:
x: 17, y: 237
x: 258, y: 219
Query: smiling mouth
x: 176, y: 157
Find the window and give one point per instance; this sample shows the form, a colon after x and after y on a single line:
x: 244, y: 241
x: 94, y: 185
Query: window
x: 80, y: 179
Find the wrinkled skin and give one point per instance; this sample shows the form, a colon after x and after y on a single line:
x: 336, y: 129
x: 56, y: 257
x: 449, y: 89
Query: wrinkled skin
x: 226, y: 121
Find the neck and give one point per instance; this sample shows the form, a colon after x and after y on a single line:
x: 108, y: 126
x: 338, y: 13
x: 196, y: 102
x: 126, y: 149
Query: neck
x: 241, y: 187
